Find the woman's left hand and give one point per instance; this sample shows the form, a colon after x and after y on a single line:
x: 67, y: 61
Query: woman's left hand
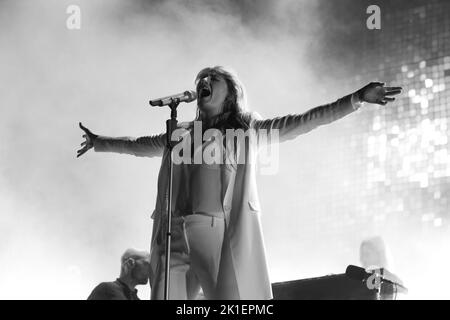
x: 376, y: 92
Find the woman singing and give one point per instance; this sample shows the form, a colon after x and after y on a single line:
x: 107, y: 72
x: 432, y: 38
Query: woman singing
x: 217, y: 241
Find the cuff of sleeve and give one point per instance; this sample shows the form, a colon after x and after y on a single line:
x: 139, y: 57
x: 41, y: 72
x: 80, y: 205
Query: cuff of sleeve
x: 356, y: 103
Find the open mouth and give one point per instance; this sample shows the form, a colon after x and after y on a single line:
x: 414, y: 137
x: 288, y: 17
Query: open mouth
x: 204, y: 92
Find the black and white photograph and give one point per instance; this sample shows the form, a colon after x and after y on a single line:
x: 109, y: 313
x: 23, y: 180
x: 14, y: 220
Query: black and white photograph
x: 255, y: 150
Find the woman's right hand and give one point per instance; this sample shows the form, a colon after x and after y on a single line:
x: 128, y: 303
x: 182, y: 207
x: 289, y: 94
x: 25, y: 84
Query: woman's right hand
x: 88, y: 143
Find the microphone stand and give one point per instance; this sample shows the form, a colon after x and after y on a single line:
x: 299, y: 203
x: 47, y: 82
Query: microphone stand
x: 171, y: 125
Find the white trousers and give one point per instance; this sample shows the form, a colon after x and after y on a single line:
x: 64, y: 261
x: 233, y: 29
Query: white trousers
x: 196, y: 253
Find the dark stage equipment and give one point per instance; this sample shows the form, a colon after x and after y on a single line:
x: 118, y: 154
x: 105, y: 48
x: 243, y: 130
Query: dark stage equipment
x: 354, y: 284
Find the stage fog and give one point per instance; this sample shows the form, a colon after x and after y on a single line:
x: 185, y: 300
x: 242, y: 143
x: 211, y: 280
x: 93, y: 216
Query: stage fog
x: 65, y: 221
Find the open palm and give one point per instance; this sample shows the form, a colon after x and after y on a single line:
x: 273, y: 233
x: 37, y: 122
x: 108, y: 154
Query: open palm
x: 376, y: 92
x: 88, y: 143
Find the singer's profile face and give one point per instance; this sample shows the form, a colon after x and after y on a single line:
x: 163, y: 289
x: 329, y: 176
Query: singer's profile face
x: 212, y: 91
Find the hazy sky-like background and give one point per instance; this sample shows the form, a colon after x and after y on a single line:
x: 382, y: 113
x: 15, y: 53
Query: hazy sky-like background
x: 64, y: 222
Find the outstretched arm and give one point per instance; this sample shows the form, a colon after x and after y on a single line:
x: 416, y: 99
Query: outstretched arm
x: 292, y: 125
x: 150, y: 146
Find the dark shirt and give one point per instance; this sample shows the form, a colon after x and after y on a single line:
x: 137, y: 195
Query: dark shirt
x: 116, y: 290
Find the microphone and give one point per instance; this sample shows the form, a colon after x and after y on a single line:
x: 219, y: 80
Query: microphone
x: 187, y: 96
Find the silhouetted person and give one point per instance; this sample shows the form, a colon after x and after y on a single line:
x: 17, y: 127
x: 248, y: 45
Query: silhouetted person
x: 372, y: 253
